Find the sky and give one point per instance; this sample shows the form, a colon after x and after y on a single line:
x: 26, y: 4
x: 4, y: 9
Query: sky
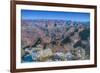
x: 56, y: 15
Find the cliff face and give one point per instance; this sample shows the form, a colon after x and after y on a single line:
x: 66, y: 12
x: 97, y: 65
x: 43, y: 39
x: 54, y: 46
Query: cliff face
x: 55, y: 40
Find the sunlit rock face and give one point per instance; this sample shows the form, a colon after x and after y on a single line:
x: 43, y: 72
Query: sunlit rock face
x: 54, y: 40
